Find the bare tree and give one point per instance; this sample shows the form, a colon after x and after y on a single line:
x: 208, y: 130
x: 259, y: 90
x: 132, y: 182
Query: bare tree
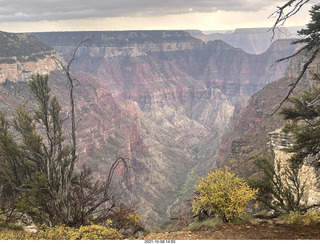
x: 39, y: 164
x: 286, y: 11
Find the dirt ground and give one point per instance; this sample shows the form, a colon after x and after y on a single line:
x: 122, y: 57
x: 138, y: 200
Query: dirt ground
x: 244, y: 231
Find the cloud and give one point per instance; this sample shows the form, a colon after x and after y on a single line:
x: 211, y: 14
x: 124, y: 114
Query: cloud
x: 52, y: 10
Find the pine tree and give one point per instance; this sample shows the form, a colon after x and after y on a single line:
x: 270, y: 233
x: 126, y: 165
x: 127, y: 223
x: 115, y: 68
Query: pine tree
x: 37, y: 164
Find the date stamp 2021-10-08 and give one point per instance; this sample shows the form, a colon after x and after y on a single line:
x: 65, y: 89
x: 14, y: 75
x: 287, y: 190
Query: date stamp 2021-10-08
x: 160, y: 241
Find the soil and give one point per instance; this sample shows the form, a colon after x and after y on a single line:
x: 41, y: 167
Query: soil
x: 244, y: 231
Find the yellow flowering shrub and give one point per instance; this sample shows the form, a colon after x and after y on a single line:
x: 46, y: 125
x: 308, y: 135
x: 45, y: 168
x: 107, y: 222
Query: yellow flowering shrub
x: 311, y: 217
x: 224, y: 193
x: 91, y: 232
x: 8, y: 234
x: 57, y: 233
x: 97, y: 232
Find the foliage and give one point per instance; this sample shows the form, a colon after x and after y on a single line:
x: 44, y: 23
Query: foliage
x: 307, y: 218
x: 303, y: 120
x: 90, y: 232
x: 224, y: 193
x: 280, y: 189
x: 37, y: 173
x: 57, y: 233
x: 96, y: 232
x: 15, y: 235
x: 311, y: 217
x: 309, y: 36
x: 125, y: 217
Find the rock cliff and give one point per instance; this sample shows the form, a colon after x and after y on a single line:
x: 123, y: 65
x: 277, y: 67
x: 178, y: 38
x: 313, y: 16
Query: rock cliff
x: 22, y: 55
x: 247, y: 134
x: 308, y: 174
x: 142, y: 65
x: 251, y: 40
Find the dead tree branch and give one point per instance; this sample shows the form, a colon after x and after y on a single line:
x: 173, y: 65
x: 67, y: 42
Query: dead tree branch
x: 293, y: 7
x: 304, y: 69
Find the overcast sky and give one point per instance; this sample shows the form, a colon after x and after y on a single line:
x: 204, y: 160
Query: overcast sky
x: 54, y: 15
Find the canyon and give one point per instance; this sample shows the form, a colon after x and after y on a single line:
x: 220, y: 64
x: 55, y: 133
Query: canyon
x: 162, y: 99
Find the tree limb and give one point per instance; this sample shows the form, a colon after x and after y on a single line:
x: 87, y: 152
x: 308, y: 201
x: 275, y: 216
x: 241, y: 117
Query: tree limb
x: 304, y: 69
x: 281, y: 16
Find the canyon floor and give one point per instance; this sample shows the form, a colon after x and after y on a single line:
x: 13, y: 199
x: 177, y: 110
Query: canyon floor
x: 245, y: 231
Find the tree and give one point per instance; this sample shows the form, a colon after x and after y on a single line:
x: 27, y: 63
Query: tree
x: 223, y: 193
x: 303, y: 122
x: 309, y: 37
x: 37, y: 163
x: 280, y: 189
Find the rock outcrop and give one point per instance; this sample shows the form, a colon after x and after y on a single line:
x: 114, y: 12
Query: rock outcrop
x: 23, y: 55
x: 308, y: 174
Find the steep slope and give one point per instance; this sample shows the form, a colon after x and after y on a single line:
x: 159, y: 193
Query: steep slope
x: 23, y: 54
x: 248, y: 134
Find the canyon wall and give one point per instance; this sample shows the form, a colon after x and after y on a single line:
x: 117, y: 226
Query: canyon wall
x: 23, y: 55
x: 250, y: 40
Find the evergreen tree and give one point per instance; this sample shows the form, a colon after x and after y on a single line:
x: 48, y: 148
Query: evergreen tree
x: 282, y: 188
x: 303, y: 122
x: 309, y: 37
x: 37, y: 164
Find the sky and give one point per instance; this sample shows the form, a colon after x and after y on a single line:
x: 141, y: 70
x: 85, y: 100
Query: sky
x: 89, y: 15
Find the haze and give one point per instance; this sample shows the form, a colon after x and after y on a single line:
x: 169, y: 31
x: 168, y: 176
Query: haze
x: 75, y: 15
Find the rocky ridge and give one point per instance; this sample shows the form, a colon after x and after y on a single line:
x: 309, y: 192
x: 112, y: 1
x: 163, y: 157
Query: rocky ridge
x: 22, y: 55
x: 251, y: 40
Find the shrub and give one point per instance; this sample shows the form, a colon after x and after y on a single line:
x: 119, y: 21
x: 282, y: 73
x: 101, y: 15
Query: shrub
x: 224, y: 193
x: 91, y: 232
x: 57, y: 233
x: 126, y: 217
x: 9, y: 233
x: 311, y: 217
x: 97, y: 232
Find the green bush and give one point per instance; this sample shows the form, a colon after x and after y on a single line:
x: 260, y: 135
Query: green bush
x: 224, y: 193
x: 307, y: 218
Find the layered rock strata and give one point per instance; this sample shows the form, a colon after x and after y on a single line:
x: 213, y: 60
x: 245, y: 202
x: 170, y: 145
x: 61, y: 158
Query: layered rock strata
x: 23, y: 55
